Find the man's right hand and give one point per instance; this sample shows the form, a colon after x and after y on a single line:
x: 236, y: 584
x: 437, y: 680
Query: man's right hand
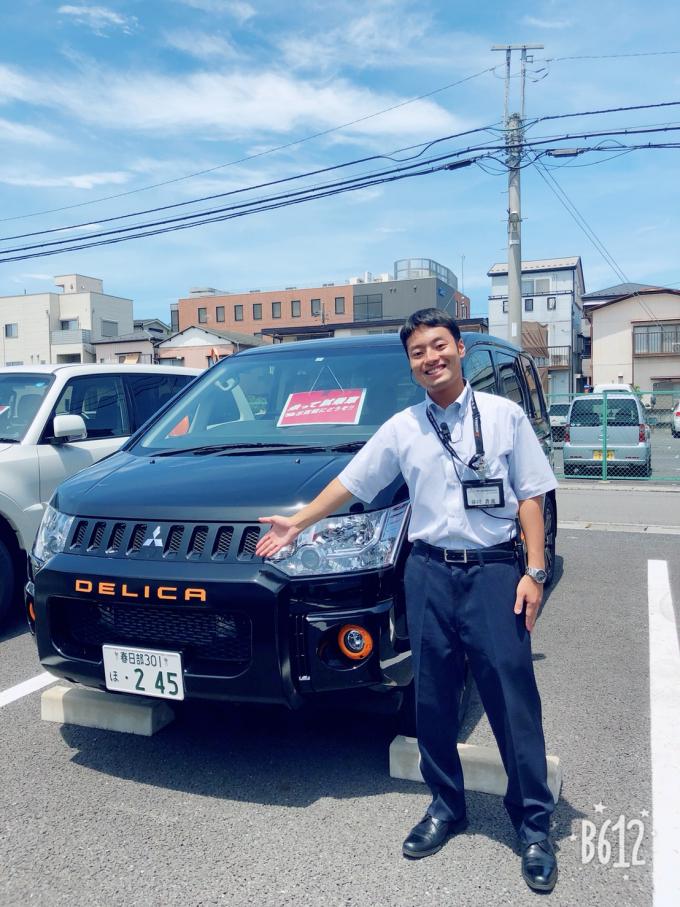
x: 283, y: 532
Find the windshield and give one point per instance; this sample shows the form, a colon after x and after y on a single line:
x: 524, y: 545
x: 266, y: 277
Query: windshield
x: 292, y: 397
x: 620, y: 411
x: 20, y: 397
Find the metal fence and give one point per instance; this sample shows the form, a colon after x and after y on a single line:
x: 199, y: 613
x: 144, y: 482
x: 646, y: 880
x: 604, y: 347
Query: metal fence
x: 617, y: 435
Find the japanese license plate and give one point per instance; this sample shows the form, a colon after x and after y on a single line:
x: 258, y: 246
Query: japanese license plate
x: 146, y: 672
x: 597, y: 455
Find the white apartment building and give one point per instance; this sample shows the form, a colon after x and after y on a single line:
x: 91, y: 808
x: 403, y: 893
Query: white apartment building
x: 61, y: 326
x: 552, y: 291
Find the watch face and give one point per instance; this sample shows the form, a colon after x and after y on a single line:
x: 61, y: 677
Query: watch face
x: 539, y: 575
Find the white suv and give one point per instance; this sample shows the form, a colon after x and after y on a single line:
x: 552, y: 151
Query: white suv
x: 54, y: 421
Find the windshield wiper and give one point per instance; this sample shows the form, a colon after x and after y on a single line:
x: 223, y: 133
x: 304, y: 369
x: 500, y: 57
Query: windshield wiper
x: 348, y: 446
x: 9, y: 441
x: 227, y: 448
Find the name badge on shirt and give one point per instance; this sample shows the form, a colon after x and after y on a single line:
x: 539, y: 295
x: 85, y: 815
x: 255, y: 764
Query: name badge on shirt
x: 486, y: 494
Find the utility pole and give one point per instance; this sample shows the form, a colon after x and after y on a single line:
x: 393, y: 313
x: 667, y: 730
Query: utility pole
x: 514, y: 138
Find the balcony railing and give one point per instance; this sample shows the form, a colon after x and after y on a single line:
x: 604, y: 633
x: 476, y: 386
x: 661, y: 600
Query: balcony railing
x: 76, y: 336
x: 552, y: 356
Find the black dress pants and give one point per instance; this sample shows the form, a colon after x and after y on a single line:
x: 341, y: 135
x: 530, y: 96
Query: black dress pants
x: 467, y: 609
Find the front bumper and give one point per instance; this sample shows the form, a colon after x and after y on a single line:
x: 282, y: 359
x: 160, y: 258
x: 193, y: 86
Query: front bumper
x: 246, y: 633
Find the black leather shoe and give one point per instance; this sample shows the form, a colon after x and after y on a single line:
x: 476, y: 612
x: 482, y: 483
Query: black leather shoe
x: 430, y: 835
x: 539, y: 866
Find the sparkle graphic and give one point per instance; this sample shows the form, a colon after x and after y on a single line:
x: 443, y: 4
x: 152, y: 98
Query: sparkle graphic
x: 644, y: 813
x: 599, y: 807
x: 572, y: 837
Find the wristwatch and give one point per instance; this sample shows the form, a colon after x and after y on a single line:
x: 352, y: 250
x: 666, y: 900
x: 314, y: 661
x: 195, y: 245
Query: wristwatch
x: 540, y: 576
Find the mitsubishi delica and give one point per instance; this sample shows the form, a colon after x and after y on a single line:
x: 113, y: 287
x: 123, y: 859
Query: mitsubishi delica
x: 144, y: 577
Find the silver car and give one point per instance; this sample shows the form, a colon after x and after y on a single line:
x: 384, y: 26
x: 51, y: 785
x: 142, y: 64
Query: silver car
x: 624, y: 438
x: 675, y: 424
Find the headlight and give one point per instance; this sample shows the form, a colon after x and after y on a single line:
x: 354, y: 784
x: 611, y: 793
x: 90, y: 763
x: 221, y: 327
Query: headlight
x: 359, y: 541
x: 52, y: 535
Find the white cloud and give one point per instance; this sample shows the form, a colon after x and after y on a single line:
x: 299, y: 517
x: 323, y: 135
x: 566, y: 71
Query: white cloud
x: 20, y: 133
x: 237, y: 104
x: 200, y: 44
x: 77, y: 181
x: 98, y: 18
x: 547, y: 23
x: 21, y: 277
x: 237, y: 9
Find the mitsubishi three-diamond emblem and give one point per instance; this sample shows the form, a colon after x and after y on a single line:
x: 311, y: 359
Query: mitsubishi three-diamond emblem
x: 154, y: 539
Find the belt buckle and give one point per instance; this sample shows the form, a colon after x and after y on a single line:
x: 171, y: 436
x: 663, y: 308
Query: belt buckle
x: 455, y: 559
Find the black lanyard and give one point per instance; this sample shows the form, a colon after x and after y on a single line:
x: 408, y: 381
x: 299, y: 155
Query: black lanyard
x: 477, y: 462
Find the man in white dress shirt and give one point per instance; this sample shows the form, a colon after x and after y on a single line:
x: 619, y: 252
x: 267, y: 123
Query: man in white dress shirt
x: 473, y: 466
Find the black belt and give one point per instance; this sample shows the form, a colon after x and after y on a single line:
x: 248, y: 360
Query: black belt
x: 506, y: 551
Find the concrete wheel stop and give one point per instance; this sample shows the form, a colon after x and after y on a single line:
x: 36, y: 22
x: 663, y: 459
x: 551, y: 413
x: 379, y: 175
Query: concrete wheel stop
x: 482, y: 767
x: 106, y: 711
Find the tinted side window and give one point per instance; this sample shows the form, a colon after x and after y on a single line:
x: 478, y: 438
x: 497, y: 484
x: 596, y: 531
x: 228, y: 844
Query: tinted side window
x: 478, y: 369
x: 100, y: 400
x: 511, y: 378
x: 535, y: 391
x: 150, y: 392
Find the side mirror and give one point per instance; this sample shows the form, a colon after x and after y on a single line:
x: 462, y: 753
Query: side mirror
x: 69, y: 428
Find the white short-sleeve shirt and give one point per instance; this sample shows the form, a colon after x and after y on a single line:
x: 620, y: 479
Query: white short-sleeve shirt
x: 408, y: 443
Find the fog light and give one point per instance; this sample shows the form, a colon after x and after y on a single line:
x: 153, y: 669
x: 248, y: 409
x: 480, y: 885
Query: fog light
x: 355, y: 642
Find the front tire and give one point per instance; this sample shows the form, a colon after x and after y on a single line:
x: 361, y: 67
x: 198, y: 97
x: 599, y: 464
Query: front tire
x: 7, y: 582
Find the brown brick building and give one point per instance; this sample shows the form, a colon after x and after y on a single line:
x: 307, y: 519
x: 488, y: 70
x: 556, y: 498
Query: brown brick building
x: 366, y: 301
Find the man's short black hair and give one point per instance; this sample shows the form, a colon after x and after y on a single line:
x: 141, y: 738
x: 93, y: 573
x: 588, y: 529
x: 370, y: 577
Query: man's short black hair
x: 429, y: 318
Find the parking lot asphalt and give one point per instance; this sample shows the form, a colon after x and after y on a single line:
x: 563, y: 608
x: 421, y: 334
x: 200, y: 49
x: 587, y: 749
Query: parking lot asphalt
x: 241, y: 805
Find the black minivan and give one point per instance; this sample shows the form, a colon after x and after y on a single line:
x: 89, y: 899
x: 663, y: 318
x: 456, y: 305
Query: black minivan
x: 144, y: 576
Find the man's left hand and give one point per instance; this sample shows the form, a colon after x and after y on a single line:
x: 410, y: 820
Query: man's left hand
x: 529, y: 595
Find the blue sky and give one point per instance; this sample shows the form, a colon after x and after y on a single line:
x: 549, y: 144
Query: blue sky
x: 98, y: 99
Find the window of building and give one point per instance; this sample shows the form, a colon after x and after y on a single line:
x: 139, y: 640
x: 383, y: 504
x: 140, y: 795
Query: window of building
x: 463, y: 310
x: 238, y: 313
x: 219, y: 313
x: 174, y: 320
x: 316, y: 306
x: 658, y: 339
x: 528, y: 305
x: 295, y: 308
x: 109, y: 328
x: 535, y: 286
x: 12, y: 330
x: 202, y: 316
x: 369, y: 307
x: 257, y: 311
x: 276, y: 309
x: 505, y: 305
x: 68, y: 324
x: 18, y: 362
x: 339, y: 305
x: 552, y: 303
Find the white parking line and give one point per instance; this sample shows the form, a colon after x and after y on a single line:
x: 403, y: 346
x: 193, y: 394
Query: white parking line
x: 664, y: 691
x: 26, y: 687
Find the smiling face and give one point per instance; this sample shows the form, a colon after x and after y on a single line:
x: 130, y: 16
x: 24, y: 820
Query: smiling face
x: 435, y: 359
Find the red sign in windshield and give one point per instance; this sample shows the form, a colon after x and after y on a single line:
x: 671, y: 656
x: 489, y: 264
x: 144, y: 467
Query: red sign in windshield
x: 338, y: 407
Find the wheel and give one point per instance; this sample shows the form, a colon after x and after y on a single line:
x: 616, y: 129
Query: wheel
x: 7, y: 582
x: 550, y: 521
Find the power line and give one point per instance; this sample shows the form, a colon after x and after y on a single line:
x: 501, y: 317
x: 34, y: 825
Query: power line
x: 268, y: 205
x: 259, y: 154
x: 424, y: 146
x: 580, y: 220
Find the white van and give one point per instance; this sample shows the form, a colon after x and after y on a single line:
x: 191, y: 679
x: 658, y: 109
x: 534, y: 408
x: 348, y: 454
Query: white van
x: 54, y: 421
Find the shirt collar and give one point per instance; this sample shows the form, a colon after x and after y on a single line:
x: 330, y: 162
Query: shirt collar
x: 460, y: 402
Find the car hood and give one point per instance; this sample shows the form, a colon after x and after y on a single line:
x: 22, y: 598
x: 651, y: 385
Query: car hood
x: 206, y: 487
